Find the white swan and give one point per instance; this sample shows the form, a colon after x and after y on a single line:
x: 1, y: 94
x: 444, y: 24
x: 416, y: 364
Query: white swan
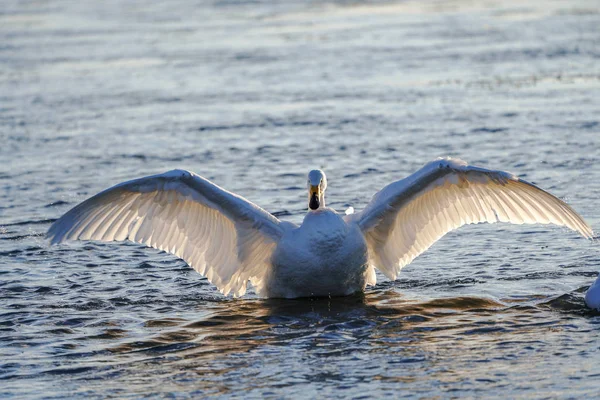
x: 232, y: 241
x: 592, y: 296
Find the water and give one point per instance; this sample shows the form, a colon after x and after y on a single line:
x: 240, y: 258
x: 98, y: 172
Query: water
x: 252, y: 95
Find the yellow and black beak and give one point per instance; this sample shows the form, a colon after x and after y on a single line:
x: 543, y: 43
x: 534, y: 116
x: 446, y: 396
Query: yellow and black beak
x: 314, y: 193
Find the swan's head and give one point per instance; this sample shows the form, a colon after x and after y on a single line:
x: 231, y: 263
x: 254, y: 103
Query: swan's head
x: 317, y: 184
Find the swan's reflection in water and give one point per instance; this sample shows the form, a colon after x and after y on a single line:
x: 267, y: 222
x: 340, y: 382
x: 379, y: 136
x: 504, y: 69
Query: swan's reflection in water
x: 239, y: 325
x: 224, y: 346
x: 295, y: 341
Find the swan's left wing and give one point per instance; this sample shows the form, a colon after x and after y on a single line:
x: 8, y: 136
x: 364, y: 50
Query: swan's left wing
x: 221, y: 235
x: 406, y: 217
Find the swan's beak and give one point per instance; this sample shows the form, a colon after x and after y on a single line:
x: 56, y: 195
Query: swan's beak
x: 314, y: 193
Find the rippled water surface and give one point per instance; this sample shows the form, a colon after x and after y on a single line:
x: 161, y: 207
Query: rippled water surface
x: 252, y: 95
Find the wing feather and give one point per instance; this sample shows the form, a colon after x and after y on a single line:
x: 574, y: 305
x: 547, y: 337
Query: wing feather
x: 406, y: 217
x: 221, y: 235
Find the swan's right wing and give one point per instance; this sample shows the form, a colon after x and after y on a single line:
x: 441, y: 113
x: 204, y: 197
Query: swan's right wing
x: 408, y: 216
x: 221, y: 235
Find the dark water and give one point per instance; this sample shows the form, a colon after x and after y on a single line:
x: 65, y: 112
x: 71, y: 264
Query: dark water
x: 252, y: 95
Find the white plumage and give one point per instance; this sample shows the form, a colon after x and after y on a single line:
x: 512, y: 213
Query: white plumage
x: 222, y: 236
x: 592, y: 296
x: 232, y: 241
x: 408, y: 216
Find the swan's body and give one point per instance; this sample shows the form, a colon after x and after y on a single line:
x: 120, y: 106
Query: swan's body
x: 232, y: 241
x: 592, y: 296
x: 325, y: 256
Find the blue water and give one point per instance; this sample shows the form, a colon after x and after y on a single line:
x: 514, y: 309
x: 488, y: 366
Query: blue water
x: 252, y: 95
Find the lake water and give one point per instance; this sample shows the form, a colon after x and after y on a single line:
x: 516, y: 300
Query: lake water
x: 252, y: 95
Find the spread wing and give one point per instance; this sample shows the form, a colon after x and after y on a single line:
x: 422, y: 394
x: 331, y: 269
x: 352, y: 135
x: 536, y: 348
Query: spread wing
x: 221, y: 235
x: 406, y: 217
